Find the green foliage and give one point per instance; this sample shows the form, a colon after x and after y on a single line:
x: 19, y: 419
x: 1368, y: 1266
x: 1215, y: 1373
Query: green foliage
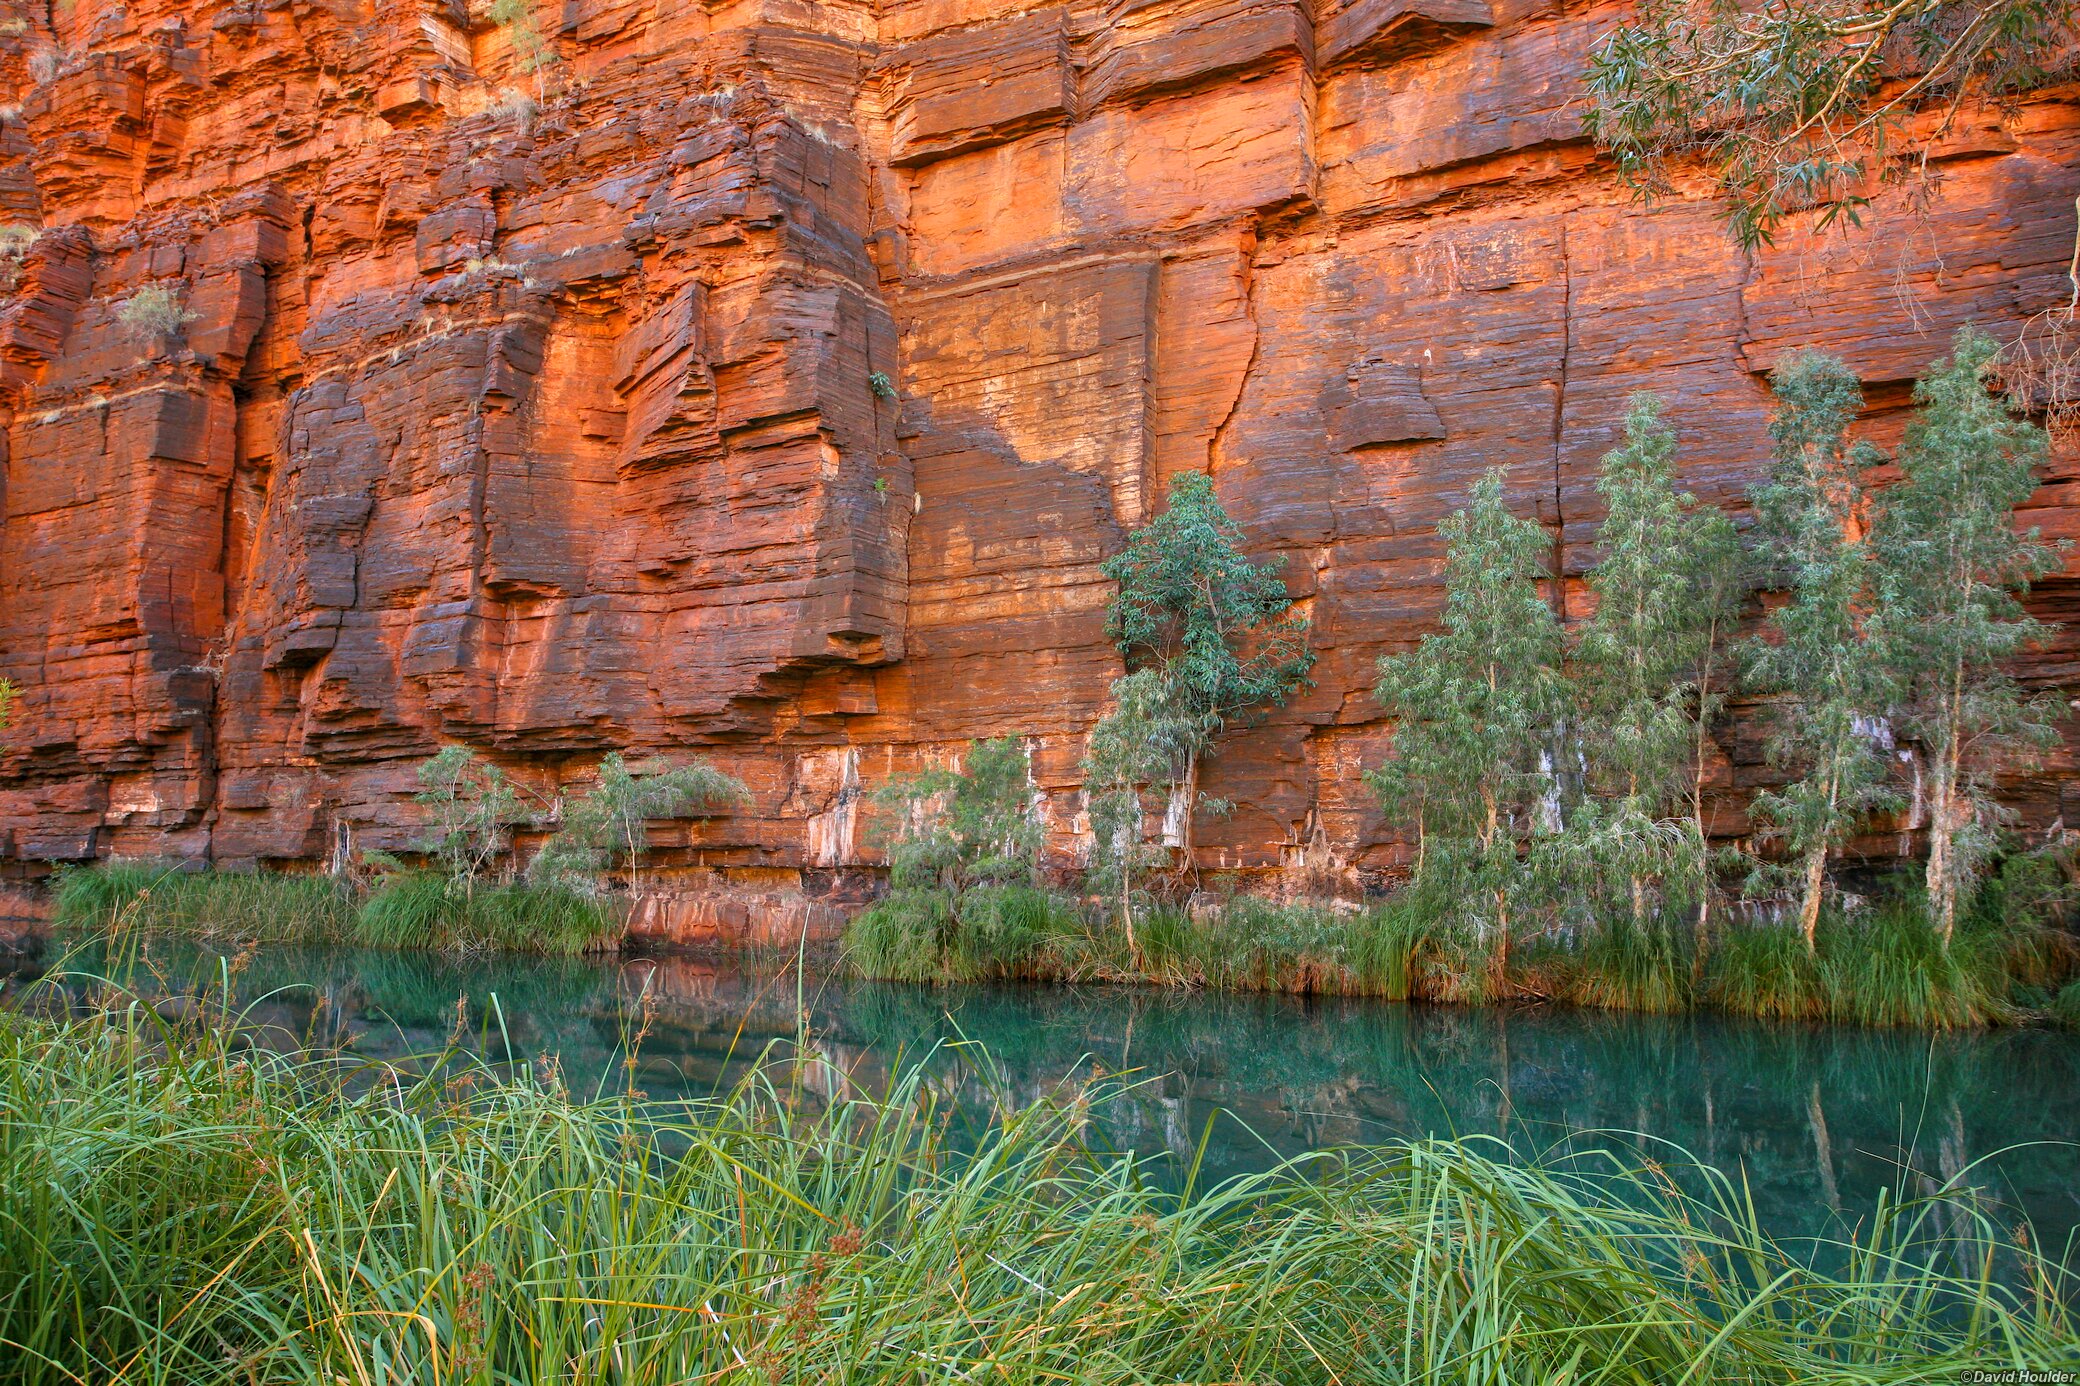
x: 2065, y: 1007
x: 1831, y: 686
x: 1191, y: 604
x: 1620, y: 966
x: 1476, y: 709
x: 1150, y: 740
x: 612, y: 819
x: 962, y: 904
x: 518, y: 19
x: 185, y: 1207
x: 2038, y: 890
x: 991, y: 932
x: 956, y: 829
x: 166, y: 897
x: 1884, y: 966
x: 1802, y: 104
x: 405, y: 909
x: 1950, y: 561
x: 1002, y: 929
x: 1667, y: 587
x: 426, y: 910
x: 1217, y: 630
x: 474, y: 807
x: 881, y: 385
x: 9, y: 696
x: 902, y: 937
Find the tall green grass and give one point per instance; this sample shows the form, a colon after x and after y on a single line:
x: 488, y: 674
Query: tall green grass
x: 986, y: 932
x: 409, y: 910
x: 429, y: 911
x: 162, y: 897
x: 184, y: 1209
x: 1882, y: 966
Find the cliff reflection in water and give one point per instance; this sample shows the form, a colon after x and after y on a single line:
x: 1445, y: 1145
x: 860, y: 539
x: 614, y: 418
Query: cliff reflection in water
x: 1817, y: 1119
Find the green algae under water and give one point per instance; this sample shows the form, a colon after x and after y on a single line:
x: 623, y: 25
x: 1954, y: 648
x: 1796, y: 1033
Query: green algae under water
x: 1816, y: 1120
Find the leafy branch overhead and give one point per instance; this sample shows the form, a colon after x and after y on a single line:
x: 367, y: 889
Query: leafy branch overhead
x: 1794, y: 105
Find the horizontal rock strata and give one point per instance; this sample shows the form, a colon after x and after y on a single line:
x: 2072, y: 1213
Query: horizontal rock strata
x: 767, y: 380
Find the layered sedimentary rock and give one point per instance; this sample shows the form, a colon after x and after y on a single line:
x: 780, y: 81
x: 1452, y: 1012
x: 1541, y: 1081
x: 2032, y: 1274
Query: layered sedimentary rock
x: 767, y: 380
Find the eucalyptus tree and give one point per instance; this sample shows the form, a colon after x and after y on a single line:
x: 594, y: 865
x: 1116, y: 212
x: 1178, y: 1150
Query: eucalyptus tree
x: 612, y: 819
x: 1474, y: 706
x: 473, y: 806
x: 1950, y: 561
x: 1800, y: 104
x: 1147, y: 743
x: 1647, y: 667
x: 966, y: 826
x: 1831, y: 686
x: 1219, y: 630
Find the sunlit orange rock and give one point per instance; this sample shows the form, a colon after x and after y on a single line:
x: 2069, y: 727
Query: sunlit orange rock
x: 767, y: 380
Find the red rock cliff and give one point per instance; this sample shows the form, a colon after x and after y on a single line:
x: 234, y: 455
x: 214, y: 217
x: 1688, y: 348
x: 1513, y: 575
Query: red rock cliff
x: 769, y: 377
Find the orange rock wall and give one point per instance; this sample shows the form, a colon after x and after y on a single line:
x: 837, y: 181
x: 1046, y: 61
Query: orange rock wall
x: 527, y: 395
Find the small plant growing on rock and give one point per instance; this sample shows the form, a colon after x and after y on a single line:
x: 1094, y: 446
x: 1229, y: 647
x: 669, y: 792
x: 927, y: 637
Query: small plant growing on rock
x: 514, y: 107
x: 881, y: 385
x: 154, y: 311
x: 15, y: 242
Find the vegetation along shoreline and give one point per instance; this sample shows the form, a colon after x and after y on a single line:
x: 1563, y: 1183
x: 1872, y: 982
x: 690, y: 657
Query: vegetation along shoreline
x: 1553, y: 777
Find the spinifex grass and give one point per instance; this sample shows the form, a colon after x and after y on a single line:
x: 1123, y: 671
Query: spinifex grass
x: 183, y: 1208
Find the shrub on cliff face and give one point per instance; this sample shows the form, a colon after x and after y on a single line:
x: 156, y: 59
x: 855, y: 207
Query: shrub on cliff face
x: 154, y: 311
x: 474, y: 808
x: 1806, y: 104
x: 955, y: 829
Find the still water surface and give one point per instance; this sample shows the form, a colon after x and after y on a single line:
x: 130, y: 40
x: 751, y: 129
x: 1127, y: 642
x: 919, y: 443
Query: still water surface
x: 1816, y: 1120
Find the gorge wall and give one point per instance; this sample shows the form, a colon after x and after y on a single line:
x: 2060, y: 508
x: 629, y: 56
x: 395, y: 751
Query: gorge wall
x: 768, y: 378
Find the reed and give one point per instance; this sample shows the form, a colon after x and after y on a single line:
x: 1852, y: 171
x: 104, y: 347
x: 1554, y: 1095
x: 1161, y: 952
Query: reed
x: 183, y: 1207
